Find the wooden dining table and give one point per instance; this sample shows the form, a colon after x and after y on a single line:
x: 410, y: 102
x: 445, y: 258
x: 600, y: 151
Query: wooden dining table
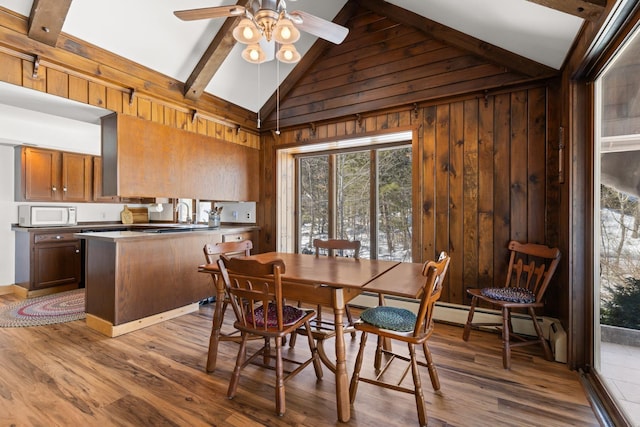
x: 331, y: 282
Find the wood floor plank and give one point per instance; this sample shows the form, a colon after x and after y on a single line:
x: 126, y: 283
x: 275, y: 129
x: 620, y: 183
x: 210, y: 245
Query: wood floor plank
x: 67, y: 374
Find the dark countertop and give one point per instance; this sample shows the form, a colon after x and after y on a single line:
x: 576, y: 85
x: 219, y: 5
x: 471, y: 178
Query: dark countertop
x: 173, y: 231
x: 152, y: 228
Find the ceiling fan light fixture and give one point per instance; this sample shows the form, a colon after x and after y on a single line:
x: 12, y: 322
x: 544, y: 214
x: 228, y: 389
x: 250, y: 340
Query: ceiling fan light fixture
x: 288, y: 54
x: 246, y: 32
x: 254, y: 54
x: 285, y: 32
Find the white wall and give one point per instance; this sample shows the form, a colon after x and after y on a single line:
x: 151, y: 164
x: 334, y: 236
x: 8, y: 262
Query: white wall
x: 19, y: 126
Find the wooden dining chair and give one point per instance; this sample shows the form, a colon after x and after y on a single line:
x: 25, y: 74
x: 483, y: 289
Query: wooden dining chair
x: 325, y: 328
x: 255, y: 293
x: 211, y: 254
x: 393, y: 323
x: 531, y: 267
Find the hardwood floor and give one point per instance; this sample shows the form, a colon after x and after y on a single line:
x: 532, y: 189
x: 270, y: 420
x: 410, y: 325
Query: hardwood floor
x: 69, y: 375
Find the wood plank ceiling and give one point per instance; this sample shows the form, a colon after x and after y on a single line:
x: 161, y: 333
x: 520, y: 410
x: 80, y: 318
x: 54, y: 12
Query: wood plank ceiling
x: 417, y: 43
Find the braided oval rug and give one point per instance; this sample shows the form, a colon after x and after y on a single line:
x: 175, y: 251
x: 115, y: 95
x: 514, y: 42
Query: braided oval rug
x: 46, y: 310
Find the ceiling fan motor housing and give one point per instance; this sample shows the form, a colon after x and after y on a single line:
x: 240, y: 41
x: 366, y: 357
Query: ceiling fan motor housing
x: 266, y: 20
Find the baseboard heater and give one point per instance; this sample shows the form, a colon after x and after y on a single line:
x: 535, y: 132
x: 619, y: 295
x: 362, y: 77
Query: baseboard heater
x: 457, y: 314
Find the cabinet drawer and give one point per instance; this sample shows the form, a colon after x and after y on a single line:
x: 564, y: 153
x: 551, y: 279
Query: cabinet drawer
x: 54, y: 237
x: 237, y: 237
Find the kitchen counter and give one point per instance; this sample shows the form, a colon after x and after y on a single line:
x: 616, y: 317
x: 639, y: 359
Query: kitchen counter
x: 163, y: 231
x: 136, y: 278
x: 116, y: 226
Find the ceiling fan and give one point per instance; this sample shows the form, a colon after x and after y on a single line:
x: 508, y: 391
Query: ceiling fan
x: 267, y: 22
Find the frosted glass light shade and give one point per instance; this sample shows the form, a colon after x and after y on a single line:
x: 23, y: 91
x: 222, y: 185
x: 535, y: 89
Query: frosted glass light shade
x: 254, y: 54
x: 246, y: 32
x: 285, y: 32
x: 288, y: 54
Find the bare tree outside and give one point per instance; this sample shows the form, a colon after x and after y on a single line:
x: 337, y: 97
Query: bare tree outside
x: 387, y: 203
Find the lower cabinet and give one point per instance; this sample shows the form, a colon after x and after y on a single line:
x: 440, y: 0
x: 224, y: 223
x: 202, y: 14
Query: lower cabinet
x: 48, y: 259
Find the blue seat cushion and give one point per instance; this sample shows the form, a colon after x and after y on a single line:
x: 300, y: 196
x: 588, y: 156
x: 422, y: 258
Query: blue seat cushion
x: 521, y: 295
x: 290, y: 315
x: 392, y: 318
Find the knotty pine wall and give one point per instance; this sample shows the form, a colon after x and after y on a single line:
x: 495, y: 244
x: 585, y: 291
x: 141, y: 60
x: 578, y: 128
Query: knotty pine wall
x: 488, y: 174
x: 68, y: 83
x: 77, y: 70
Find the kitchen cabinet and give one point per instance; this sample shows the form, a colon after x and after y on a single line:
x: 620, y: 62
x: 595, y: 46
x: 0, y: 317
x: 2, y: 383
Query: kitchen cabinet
x: 143, y: 158
x: 52, y: 176
x: 48, y: 259
x: 98, y: 195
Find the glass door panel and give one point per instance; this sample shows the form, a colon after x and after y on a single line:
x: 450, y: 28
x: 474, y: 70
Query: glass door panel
x: 313, y: 201
x: 353, y: 199
x: 617, y: 251
x: 394, y: 204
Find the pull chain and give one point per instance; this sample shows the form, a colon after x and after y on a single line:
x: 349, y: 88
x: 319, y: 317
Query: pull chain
x: 278, y: 98
x: 259, y: 95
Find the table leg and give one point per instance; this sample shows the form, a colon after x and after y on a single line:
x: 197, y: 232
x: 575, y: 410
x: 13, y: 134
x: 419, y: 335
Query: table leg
x: 342, y: 381
x: 218, y: 314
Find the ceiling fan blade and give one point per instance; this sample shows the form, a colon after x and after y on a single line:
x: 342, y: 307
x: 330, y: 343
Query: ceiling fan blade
x: 319, y: 27
x: 210, y: 12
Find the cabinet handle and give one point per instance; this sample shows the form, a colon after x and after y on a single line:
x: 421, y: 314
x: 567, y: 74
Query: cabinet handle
x: 77, y: 251
x: 54, y: 188
x: 58, y: 237
x: 64, y: 189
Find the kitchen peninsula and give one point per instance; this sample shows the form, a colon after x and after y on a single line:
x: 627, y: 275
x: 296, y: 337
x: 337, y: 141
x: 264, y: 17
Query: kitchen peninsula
x: 138, y: 278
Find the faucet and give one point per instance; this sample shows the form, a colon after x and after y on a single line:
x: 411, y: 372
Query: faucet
x: 178, y: 206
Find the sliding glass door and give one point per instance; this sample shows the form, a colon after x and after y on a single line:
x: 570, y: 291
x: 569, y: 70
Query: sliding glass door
x: 617, y: 229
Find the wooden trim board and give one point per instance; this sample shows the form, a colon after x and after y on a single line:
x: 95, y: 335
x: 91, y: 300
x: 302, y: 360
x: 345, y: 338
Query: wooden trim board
x: 110, y: 330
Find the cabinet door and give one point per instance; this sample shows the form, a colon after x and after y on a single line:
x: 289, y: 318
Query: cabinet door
x: 97, y: 183
x: 56, y: 264
x: 41, y: 174
x: 77, y: 171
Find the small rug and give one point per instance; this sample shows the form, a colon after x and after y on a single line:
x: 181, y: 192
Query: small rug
x: 56, y: 308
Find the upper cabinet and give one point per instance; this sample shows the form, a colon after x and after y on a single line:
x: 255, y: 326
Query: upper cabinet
x: 52, y: 176
x: 143, y: 158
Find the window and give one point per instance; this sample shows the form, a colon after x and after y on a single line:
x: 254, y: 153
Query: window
x: 360, y: 195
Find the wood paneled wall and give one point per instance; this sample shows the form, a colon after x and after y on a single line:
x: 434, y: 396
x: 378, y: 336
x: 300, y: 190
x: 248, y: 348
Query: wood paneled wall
x: 383, y: 64
x: 488, y: 174
x: 77, y: 71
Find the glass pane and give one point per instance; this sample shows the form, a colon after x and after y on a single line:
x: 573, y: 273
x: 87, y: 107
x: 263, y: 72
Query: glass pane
x: 353, y: 199
x: 394, y: 204
x: 313, y: 201
x: 617, y: 301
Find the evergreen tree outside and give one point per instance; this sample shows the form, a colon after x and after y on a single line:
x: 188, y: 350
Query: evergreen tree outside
x: 623, y: 308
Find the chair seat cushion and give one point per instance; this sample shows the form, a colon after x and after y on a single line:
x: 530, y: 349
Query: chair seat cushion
x: 290, y: 315
x: 392, y: 318
x: 521, y: 295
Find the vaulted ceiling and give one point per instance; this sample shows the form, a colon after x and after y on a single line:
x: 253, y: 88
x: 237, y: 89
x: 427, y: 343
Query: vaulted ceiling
x: 507, y: 40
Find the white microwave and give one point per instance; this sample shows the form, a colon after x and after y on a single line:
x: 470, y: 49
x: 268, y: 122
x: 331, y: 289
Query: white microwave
x: 46, y: 216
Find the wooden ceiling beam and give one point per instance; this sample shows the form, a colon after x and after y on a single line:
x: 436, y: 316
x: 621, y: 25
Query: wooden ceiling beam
x: 213, y: 57
x: 318, y: 48
x: 494, y: 54
x: 46, y: 20
x: 590, y: 10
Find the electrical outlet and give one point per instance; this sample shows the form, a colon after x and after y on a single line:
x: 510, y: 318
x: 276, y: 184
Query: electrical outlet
x: 238, y: 212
